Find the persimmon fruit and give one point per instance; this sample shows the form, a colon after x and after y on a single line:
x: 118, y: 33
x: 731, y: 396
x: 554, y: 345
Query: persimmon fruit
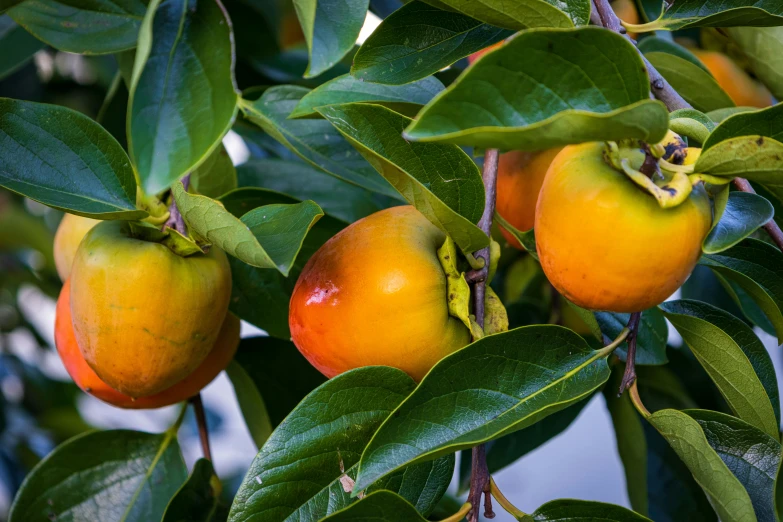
x: 520, y: 176
x: 70, y: 231
x: 375, y: 294
x: 743, y: 90
x: 144, y: 317
x: 85, y: 378
x: 478, y: 54
x: 606, y: 244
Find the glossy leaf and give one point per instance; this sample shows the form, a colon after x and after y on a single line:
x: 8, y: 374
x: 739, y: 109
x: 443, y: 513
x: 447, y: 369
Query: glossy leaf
x: 715, y: 13
x: 762, y: 47
x: 571, y: 510
x: 19, y: 46
x: 111, y: 476
x: 85, y: 27
x: 441, y: 181
x: 215, y: 176
x: 406, y: 98
x: 266, y: 237
x: 251, y: 403
x: 507, y: 382
x: 65, y: 160
x: 757, y: 268
x: 305, y: 470
x: 692, y: 124
x: 381, y: 506
x: 695, y: 85
x: 727, y: 496
x: 651, y: 342
x: 662, y: 45
x: 418, y: 40
x: 198, y: 499
x: 606, y: 96
x: 303, y: 181
x: 182, y: 96
x: 330, y: 29
x: 524, y: 14
x: 752, y: 455
x: 735, y: 359
x: 764, y: 122
x: 316, y: 142
x: 744, y: 213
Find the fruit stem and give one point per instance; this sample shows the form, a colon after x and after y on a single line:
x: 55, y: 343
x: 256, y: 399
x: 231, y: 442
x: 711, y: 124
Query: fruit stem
x: 479, y: 475
x: 637, y: 401
x: 175, y: 220
x: 504, y: 502
x: 629, y: 377
x: 771, y: 227
x: 201, y: 419
x: 459, y: 515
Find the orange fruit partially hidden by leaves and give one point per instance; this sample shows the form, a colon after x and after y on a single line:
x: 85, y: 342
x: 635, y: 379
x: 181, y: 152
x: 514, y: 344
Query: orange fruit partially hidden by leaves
x: 520, y: 176
x: 86, y: 379
x: 375, y: 294
x: 69, y: 234
x: 145, y: 317
x: 741, y: 88
x: 604, y: 243
x: 478, y: 54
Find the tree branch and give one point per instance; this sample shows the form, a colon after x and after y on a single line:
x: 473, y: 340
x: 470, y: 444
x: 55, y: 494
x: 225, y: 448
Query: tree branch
x: 629, y: 377
x: 201, y: 419
x: 175, y: 220
x: 479, y: 476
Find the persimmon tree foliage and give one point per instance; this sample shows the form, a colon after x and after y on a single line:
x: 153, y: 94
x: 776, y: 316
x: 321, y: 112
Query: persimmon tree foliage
x: 629, y: 160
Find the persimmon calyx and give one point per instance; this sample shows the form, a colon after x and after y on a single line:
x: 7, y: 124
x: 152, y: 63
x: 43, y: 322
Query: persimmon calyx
x: 158, y: 212
x: 181, y: 245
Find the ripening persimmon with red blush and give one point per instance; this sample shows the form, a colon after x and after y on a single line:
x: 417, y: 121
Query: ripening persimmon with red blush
x: 375, y: 294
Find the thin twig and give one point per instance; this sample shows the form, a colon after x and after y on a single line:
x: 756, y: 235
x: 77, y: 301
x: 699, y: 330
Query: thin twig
x: 629, y: 377
x: 479, y: 476
x: 201, y: 419
x: 771, y: 227
x: 175, y: 220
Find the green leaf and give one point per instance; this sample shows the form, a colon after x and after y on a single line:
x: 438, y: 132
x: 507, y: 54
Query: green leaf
x: 383, y: 506
x: 692, y: 124
x: 508, y: 381
x: 526, y: 238
x: 316, y: 142
x: 752, y: 455
x: 744, y: 213
x: 273, y: 378
x: 182, y: 96
x: 19, y: 46
x: 85, y: 26
x: 763, y: 122
x: 524, y: 14
x: 216, y: 175
x: 631, y: 442
x: 111, y: 476
x: 261, y: 296
x: 406, y: 98
x: 715, y: 13
x: 727, y: 496
x: 330, y: 29
x: 721, y: 114
x: 735, y: 359
x: 266, y: 237
x: 302, y: 181
x: 441, y: 181
x: 64, y: 159
x: 305, y: 470
x: 570, y: 510
x: 606, y: 97
x: 757, y: 268
x: 198, y: 499
x: 418, y: 40
x: 762, y: 47
x: 696, y: 85
x: 651, y: 341
x: 662, y: 45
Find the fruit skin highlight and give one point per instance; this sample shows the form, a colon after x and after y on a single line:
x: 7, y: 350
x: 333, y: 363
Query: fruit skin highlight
x: 520, y: 176
x: 741, y: 88
x: 375, y: 294
x: 70, y: 233
x: 86, y: 379
x: 144, y: 317
x: 604, y: 243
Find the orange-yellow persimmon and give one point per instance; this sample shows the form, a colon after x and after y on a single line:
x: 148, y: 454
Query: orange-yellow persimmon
x: 606, y: 244
x: 69, y: 234
x: 520, y: 176
x: 86, y: 379
x: 375, y: 294
x: 145, y: 317
x: 741, y: 88
x: 478, y: 54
